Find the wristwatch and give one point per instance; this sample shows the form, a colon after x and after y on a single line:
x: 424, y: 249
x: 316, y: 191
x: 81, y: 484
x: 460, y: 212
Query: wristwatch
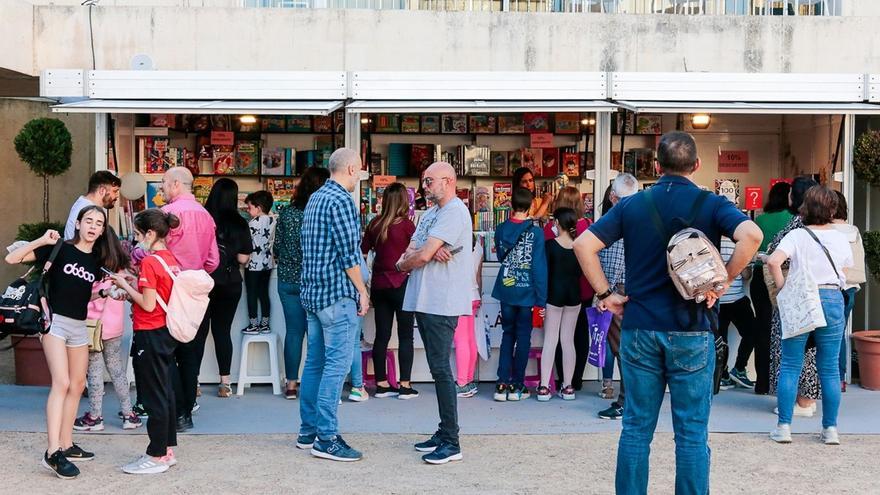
x: 605, y: 294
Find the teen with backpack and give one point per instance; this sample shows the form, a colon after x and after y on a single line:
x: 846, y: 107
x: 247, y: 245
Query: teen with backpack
x: 71, y: 268
x: 153, y: 343
x: 521, y: 286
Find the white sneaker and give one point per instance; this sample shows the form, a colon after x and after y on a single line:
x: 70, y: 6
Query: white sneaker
x: 781, y: 434
x: 829, y: 436
x: 358, y: 395
x: 146, y: 465
x: 804, y: 412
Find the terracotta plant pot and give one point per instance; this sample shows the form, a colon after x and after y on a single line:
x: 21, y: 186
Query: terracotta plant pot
x: 30, y: 362
x: 868, y: 348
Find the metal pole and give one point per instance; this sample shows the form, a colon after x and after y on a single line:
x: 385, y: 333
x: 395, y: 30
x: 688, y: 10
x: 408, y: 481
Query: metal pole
x: 601, y: 158
x: 848, y: 190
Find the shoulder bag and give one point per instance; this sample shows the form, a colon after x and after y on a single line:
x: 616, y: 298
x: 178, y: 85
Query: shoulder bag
x: 800, y: 308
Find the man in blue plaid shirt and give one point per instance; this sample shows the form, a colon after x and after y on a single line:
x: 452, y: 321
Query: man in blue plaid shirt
x: 334, y: 296
x: 614, y: 267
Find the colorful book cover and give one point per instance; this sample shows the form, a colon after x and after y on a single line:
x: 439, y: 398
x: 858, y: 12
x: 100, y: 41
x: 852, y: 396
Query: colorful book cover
x: 501, y: 194
x: 514, y: 161
x: 430, y: 124
x: 274, y: 123
x: 588, y: 205
x: 220, y: 123
x: 511, y: 124
x: 537, y: 122
x: 729, y: 188
x: 162, y: 120
x: 532, y: 159
x: 282, y: 189
x: 154, y: 196
x: 247, y: 158
x: 202, y: 188
x: 454, y: 123
x: 571, y: 164
x: 224, y: 160
x: 550, y: 162
x: 322, y: 123
x: 619, y: 119
x: 272, y: 162
x: 568, y: 123
x: 649, y: 124
x: 482, y: 124
x: 498, y: 163
x: 464, y: 194
x: 644, y: 158
x: 155, y: 149
x: 290, y: 162
x: 421, y: 156
x: 299, y: 123
x: 387, y: 122
x: 409, y: 124
x: 476, y: 160
x: 482, y: 199
x: 323, y: 143
x: 202, y: 123
x: 308, y: 158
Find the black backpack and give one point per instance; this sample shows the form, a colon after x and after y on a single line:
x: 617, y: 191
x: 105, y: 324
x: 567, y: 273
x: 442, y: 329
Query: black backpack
x: 24, y: 306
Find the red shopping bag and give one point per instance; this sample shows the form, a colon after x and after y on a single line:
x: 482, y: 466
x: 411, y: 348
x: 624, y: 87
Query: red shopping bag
x: 537, y: 317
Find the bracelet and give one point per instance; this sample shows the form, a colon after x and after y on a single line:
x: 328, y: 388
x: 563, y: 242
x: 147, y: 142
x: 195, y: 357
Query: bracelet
x: 101, y: 293
x: 605, y: 294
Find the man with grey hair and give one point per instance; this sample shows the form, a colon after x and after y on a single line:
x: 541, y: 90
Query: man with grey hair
x: 439, y: 291
x: 612, y: 261
x: 334, y: 297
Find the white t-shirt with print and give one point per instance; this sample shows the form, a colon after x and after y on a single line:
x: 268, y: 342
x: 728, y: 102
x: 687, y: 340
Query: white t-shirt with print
x: 805, y: 252
x: 262, y: 232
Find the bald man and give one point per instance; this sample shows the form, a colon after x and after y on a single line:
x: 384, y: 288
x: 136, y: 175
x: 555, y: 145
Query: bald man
x: 439, y: 291
x: 194, y: 244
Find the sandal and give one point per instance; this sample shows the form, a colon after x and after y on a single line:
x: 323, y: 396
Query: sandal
x: 224, y: 390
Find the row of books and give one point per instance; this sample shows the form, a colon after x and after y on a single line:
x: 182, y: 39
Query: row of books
x: 266, y: 123
x: 461, y: 123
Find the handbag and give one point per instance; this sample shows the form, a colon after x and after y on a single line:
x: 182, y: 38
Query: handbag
x: 599, y: 322
x: 800, y: 308
x: 24, y: 306
x: 96, y: 341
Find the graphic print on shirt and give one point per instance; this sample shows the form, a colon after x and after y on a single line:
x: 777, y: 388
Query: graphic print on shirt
x: 262, y: 230
x: 517, y: 266
x: 74, y: 270
x: 425, y: 225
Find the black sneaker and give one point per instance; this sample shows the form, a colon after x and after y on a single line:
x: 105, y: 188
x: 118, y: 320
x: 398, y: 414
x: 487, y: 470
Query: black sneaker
x: 500, y: 392
x: 76, y: 454
x: 741, y: 378
x: 305, y: 442
x: 184, y: 423
x: 59, y: 464
x: 139, y: 410
x: 444, y: 453
x: 407, y: 393
x: 613, y: 412
x: 430, y: 444
x: 726, y: 384
x: 383, y: 392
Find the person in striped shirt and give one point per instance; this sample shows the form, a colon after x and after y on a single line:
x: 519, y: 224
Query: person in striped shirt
x: 736, y: 308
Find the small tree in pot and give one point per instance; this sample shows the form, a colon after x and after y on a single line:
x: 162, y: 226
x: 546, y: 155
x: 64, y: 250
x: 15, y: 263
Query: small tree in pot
x: 866, y: 157
x: 45, y: 146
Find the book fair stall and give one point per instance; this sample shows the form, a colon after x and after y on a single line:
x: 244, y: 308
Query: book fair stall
x: 576, y: 129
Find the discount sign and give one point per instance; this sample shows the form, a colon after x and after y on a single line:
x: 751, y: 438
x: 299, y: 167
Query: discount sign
x: 754, y: 198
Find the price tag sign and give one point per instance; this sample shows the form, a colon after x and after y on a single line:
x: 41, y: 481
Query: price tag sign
x: 541, y: 140
x: 754, y: 198
x: 222, y: 138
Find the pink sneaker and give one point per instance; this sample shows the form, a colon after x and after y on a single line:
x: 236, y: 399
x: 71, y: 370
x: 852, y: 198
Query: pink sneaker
x: 169, y: 457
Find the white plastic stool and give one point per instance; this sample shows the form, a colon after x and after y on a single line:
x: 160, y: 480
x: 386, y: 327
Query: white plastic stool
x: 274, y: 376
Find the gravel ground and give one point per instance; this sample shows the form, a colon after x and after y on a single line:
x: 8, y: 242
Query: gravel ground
x: 502, y: 464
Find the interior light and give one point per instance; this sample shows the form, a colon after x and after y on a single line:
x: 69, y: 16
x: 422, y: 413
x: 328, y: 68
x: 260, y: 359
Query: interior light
x: 701, y: 120
x: 588, y: 122
x: 248, y: 119
x: 365, y: 120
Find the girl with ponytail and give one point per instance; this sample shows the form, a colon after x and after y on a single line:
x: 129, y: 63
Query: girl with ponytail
x: 563, y: 304
x: 153, y: 346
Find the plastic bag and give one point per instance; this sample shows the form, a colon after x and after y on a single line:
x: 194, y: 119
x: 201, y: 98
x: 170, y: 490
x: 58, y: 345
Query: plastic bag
x: 599, y: 322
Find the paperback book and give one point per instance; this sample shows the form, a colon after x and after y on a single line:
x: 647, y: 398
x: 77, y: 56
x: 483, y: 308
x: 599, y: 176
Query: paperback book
x: 224, y: 160
x: 476, y: 160
x: 246, y: 158
x: 273, y: 161
x: 498, y: 163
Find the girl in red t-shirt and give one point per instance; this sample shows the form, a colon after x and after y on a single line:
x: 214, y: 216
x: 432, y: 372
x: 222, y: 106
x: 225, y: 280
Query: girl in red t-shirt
x: 153, y: 345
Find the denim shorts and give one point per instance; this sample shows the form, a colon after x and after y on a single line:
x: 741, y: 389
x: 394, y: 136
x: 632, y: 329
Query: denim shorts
x: 72, y: 332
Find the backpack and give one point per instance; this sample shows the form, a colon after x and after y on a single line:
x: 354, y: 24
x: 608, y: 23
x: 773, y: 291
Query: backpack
x: 694, y: 263
x: 188, y: 303
x: 24, y: 307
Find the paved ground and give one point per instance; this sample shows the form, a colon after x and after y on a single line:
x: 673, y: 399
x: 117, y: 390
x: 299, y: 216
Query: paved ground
x: 502, y: 464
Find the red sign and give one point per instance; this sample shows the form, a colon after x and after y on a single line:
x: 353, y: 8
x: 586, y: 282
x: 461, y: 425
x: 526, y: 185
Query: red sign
x: 222, y: 138
x: 733, y: 161
x: 383, y: 180
x: 541, y: 140
x: 773, y: 182
x: 754, y: 198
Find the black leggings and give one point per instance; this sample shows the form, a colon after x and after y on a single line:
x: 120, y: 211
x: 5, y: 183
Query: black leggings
x: 219, y: 316
x: 763, y: 317
x: 387, y: 303
x: 740, y: 314
x: 257, y: 285
x: 581, y: 349
x: 153, y: 363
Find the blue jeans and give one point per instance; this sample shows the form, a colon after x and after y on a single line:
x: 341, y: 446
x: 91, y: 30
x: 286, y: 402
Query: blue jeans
x: 328, y: 359
x: 827, y: 356
x: 357, y: 365
x: 608, y: 369
x: 650, y: 361
x: 516, y: 324
x: 848, y: 306
x: 295, y: 321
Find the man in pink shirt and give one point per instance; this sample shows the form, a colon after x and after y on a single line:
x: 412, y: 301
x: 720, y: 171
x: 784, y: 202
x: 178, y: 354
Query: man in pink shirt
x: 194, y: 244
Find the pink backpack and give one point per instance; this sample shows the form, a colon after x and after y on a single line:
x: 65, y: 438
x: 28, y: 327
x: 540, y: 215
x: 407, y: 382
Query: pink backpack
x: 186, y: 308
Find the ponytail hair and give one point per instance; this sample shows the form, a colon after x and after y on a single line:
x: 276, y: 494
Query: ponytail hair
x: 156, y: 220
x: 567, y: 219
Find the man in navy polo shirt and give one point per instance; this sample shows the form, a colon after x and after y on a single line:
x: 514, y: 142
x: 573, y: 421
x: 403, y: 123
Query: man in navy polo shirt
x: 665, y: 340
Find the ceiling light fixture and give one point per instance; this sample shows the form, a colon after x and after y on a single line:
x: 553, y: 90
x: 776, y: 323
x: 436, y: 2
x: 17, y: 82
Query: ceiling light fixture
x: 248, y: 119
x: 701, y: 120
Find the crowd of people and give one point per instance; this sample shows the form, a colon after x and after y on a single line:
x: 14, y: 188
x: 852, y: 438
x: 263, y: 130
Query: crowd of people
x: 554, y: 264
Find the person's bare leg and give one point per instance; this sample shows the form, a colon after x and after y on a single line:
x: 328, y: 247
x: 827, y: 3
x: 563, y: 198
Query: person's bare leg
x: 77, y: 364
x: 56, y: 358
x: 805, y: 402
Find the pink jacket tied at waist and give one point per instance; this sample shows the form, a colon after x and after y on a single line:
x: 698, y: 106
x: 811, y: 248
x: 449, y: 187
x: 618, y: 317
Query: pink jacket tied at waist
x: 110, y: 311
x: 194, y: 243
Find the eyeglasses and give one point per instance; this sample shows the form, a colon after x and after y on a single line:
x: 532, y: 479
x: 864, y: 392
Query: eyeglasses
x: 428, y: 181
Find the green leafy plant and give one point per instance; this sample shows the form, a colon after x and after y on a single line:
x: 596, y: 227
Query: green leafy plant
x: 866, y: 157
x: 45, y: 146
x: 871, y: 242
x: 31, y: 231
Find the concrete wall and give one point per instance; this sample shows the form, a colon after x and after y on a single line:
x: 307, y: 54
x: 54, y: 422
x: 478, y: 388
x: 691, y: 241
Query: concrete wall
x: 292, y: 39
x: 21, y: 190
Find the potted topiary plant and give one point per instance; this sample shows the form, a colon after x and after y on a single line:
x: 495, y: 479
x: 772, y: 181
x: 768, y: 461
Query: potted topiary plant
x: 866, y: 157
x: 45, y: 146
x: 867, y: 342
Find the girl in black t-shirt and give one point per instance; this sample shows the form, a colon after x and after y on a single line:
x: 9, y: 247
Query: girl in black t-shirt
x: 70, y: 276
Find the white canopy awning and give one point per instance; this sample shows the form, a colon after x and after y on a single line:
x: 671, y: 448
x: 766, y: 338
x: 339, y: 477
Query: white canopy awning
x: 463, y: 106
x: 276, y: 107
x: 753, y: 108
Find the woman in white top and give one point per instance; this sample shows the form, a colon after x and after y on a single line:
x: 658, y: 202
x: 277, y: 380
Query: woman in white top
x: 807, y: 253
x: 855, y: 275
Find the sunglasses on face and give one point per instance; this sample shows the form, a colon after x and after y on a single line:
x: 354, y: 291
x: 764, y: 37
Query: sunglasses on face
x: 428, y: 181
